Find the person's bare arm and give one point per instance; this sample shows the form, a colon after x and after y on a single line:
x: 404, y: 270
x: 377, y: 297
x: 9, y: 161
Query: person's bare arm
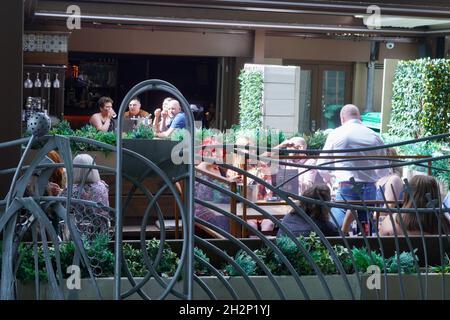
x: 308, y: 178
x: 348, y: 219
x: 166, y: 133
x: 325, y: 174
x: 386, y: 227
x: 97, y: 123
x: 392, y: 190
x: 157, y: 120
x: 164, y: 116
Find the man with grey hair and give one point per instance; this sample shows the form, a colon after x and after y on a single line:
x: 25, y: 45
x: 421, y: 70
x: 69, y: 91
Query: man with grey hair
x: 178, y: 116
x: 352, y: 134
x: 162, y: 118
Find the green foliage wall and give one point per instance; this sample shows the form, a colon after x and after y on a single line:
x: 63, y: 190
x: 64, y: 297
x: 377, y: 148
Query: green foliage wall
x: 421, y: 98
x: 250, y: 99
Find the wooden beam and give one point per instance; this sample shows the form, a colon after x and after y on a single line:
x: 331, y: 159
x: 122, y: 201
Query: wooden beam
x: 11, y: 83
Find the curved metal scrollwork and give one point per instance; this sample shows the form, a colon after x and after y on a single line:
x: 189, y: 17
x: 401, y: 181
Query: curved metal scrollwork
x: 233, y: 259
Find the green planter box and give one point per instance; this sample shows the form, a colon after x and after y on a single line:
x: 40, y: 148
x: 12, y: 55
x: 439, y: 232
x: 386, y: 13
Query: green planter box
x: 267, y: 291
x: 287, y: 284
x: 411, y: 284
x: 158, y: 151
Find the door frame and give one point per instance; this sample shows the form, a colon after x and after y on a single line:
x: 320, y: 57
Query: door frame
x: 317, y: 68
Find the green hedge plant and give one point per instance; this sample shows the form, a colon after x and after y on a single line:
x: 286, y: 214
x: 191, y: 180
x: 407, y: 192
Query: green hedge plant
x: 250, y: 99
x: 421, y: 98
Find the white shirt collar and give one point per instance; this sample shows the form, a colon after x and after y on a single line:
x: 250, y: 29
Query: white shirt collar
x: 353, y: 121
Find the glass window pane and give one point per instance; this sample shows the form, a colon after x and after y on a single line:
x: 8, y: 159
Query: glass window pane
x: 333, y: 97
x: 305, y: 100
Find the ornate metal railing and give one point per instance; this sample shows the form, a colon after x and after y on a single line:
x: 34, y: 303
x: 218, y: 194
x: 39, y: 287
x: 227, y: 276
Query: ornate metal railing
x: 229, y: 260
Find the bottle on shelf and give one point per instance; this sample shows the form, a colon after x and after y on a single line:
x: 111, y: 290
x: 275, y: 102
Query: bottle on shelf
x: 56, y: 83
x: 28, y: 109
x: 28, y: 83
x: 47, y: 83
x: 37, y: 82
x: 38, y: 105
x: 44, y: 106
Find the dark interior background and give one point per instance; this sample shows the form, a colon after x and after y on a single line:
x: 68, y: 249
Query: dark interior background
x: 115, y: 74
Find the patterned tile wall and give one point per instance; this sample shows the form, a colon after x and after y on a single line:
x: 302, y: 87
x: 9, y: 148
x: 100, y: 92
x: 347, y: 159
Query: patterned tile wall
x: 44, y: 42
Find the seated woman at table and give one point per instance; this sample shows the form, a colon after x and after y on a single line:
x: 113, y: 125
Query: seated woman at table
x: 255, y: 191
x: 307, y: 178
x: 58, y: 179
x: 320, y: 214
x: 391, y: 185
x: 55, y: 185
x: 103, y: 120
x: 422, y: 187
x: 206, y: 193
x: 87, y: 185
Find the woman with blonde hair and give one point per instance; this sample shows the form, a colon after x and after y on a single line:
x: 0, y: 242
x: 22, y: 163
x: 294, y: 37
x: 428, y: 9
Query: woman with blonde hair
x: 87, y: 185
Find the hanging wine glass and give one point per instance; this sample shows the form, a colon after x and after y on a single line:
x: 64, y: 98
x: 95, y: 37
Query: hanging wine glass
x: 37, y: 82
x: 56, y: 82
x: 47, y: 83
x: 28, y: 83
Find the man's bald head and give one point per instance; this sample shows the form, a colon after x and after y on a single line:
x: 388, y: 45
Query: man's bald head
x: 174, y: 107
x: 349, y: 112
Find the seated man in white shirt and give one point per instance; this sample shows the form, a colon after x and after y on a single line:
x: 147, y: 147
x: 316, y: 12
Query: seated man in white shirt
x: 352, y: 134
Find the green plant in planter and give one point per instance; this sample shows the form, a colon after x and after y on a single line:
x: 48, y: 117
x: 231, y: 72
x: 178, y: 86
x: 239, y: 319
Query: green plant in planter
x: 91, y: 132
x: 67, y: 252
x: 245, y: 261
x: 26, y: 271
x: 137, y: 266
x: 100, y: 256
x: 407, y: 260
x: 442, y: 269
x: 178, y: 135
x: 363, y: 259
x: 199, y: 269
x: 250, y: 99
x: 295, y: 255
x: 271, y: 261
x: 312, y: 244
x: 344, y: 256
x: 316, y: 140
x: 141, y: 132
x: 200, y: 135
x: 134, y: 260
x: 169, y: 259
x: 421, y: 98
x: 63, y: 128
x: 97, y: 250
